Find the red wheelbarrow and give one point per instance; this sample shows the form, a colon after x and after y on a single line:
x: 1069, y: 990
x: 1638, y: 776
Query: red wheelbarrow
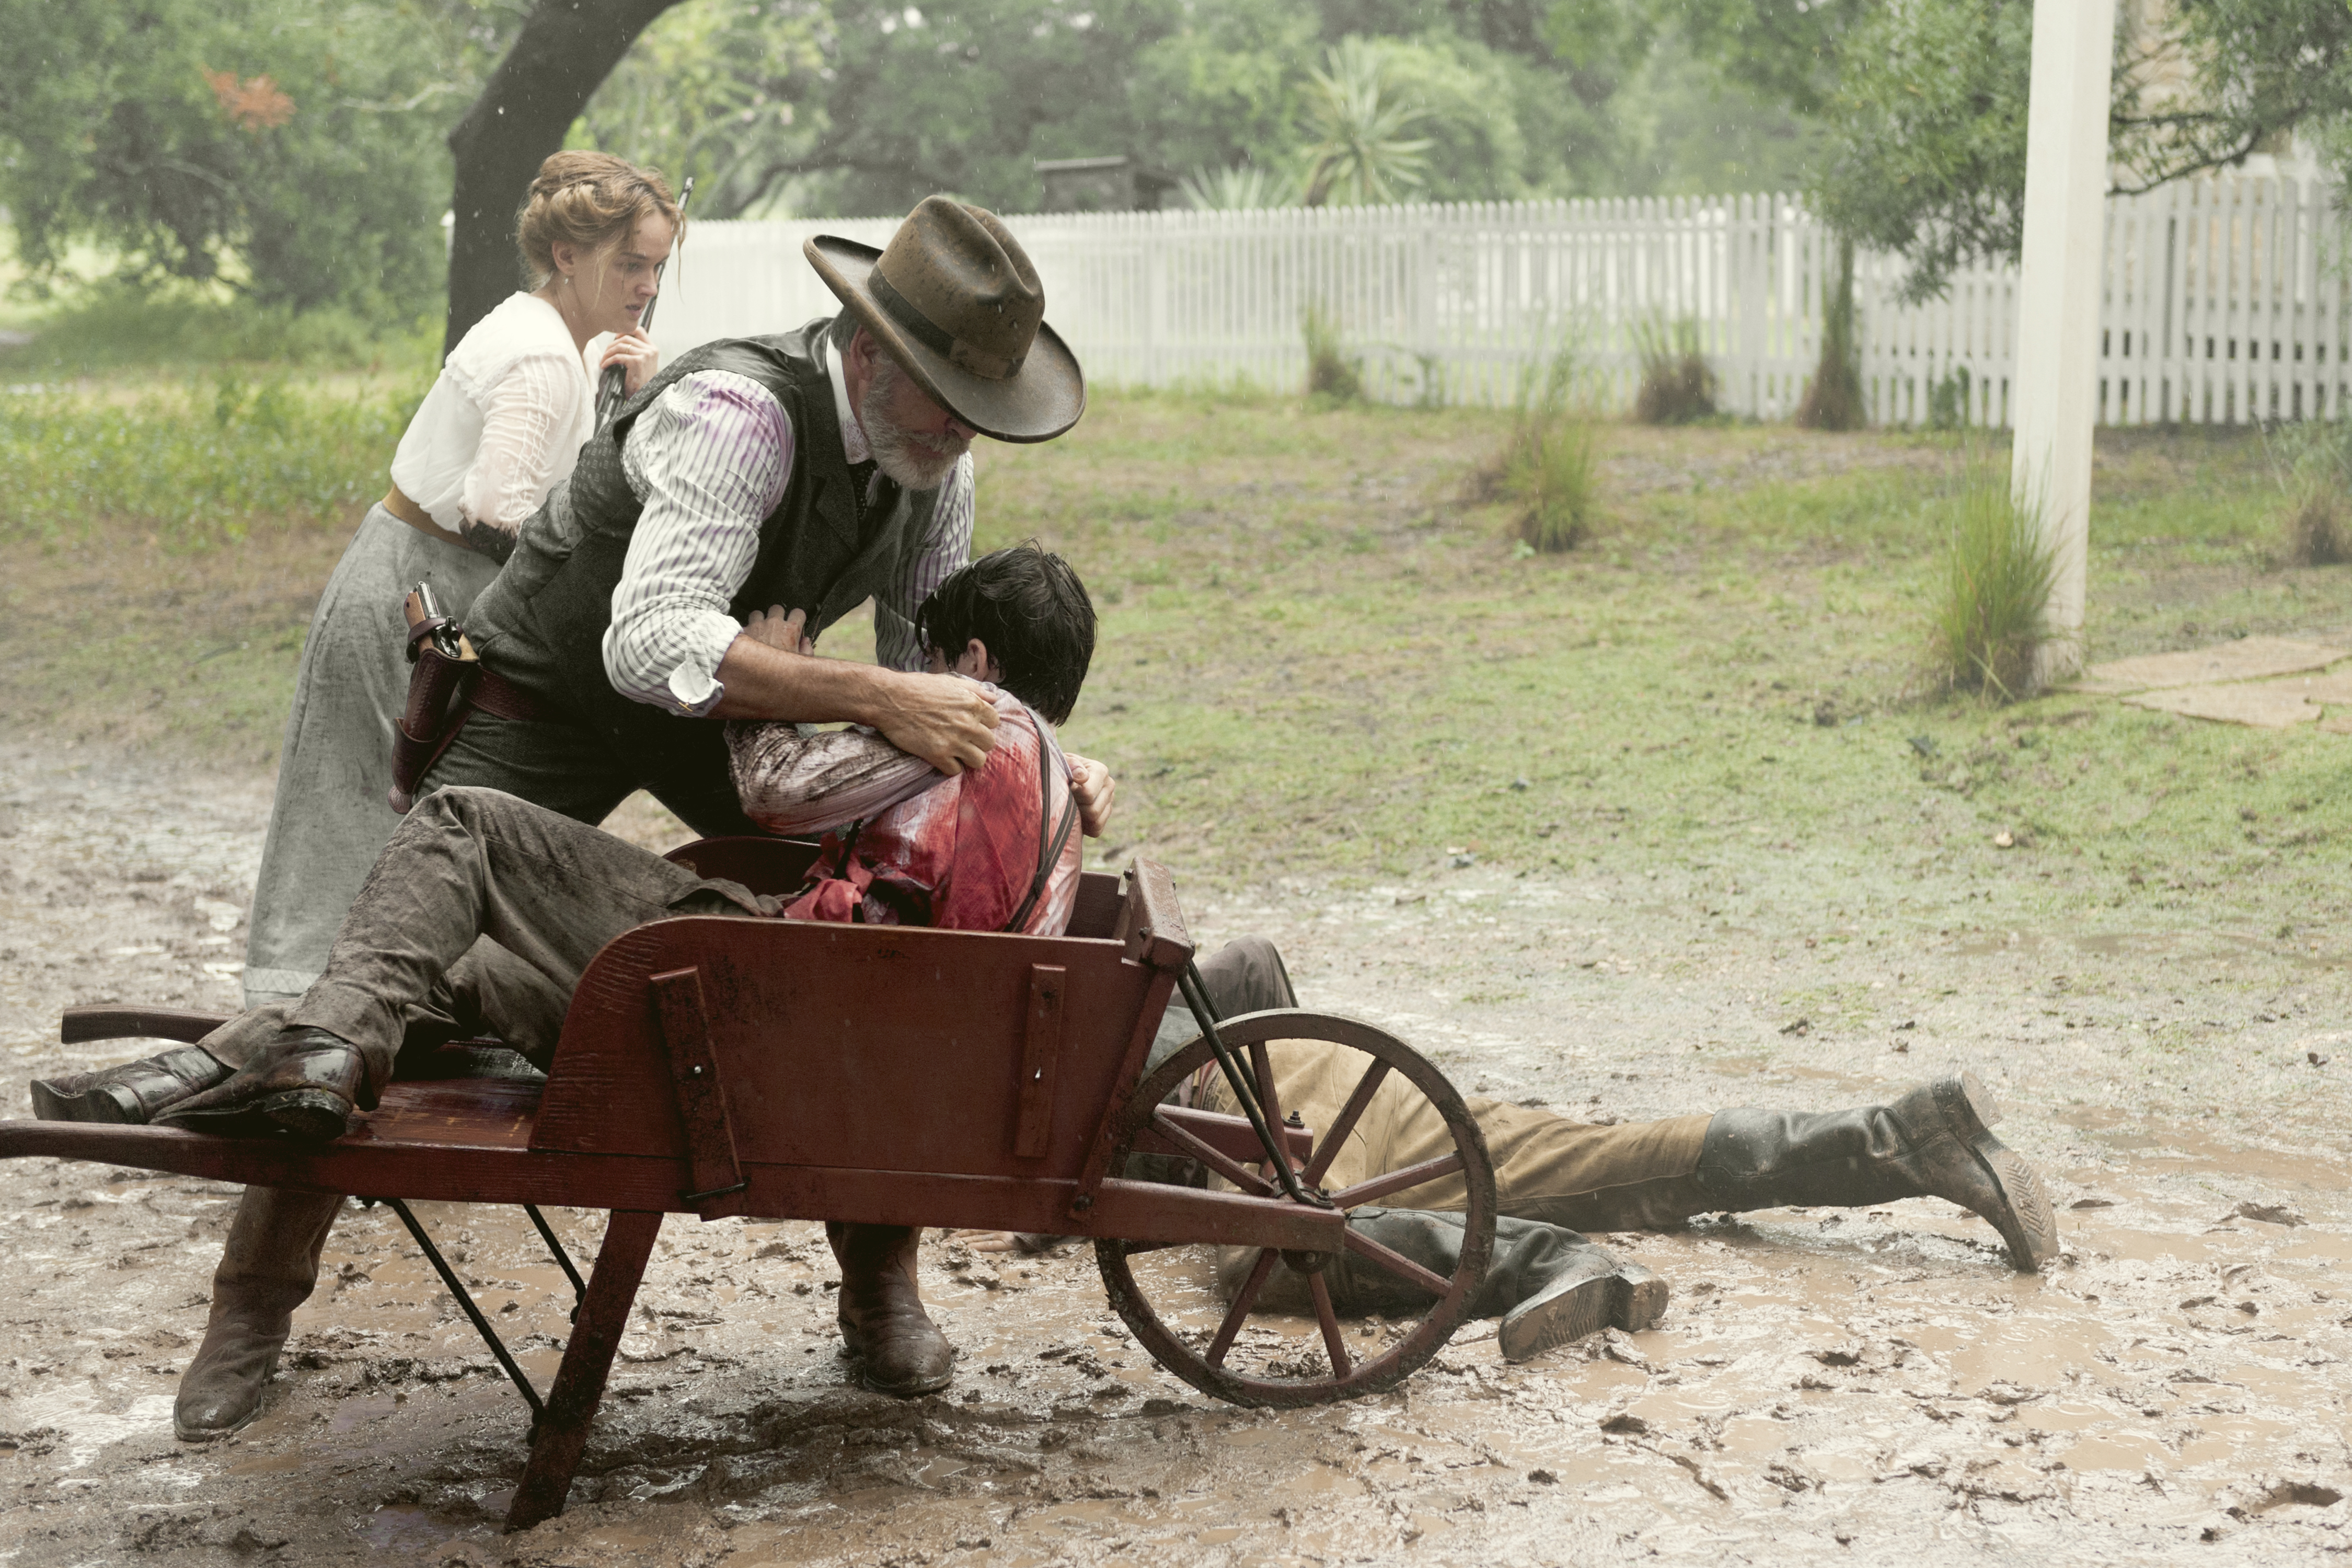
x: 768, y: 1069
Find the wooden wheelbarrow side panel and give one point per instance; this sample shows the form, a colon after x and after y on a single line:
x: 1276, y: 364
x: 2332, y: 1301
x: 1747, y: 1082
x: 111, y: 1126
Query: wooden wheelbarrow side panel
x: 876, y: 1047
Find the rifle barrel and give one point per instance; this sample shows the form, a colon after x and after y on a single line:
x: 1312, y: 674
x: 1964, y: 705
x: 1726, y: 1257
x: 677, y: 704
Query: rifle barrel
x: 610, y: 385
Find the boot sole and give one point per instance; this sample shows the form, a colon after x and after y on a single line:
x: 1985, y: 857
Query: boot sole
x: 315, y: 1115
x: 107, y: 1103
x: 853, y: 1348
x: 1632, y: 1299
x: 2028, y: 1225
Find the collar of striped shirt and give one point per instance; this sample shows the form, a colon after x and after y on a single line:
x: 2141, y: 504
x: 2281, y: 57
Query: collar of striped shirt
x: 853, y: 444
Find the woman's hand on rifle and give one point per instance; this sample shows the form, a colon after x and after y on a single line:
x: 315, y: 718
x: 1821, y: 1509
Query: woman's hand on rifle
x: 635, y: 354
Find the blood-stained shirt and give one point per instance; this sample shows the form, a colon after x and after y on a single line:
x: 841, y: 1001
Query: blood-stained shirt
x: 908, y: 845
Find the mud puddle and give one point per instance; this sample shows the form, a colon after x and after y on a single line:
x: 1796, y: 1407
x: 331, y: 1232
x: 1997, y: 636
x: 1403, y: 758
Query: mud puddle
x: 1877, y: 1378
x: 1874, y: 1382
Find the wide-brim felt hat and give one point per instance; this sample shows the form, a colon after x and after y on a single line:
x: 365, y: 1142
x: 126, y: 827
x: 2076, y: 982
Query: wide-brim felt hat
x: 954, y: 300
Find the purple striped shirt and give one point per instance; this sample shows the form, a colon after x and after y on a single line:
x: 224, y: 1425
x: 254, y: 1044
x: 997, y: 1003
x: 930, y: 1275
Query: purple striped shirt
x: 709, y: 458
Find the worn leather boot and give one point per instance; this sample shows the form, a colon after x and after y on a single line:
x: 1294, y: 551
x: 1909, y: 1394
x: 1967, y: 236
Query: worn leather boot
x: 133, y: 1093
x: 1547, y: 1283
x: 1935, y: 1141
x: 306, y: 1082
x: 268, y: 1269
x: 884, y: 1329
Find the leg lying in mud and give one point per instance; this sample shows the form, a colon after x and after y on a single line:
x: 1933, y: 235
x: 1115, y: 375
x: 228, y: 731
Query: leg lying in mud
x: 1548, y: 1284
x: 1935, y: 1140
x: 1552, y: 1173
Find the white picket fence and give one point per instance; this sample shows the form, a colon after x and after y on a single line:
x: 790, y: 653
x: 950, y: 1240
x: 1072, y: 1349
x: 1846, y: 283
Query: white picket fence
x: 2225, y: 300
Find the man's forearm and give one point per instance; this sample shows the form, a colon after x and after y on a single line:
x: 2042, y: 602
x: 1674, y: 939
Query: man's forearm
x: 763, y: 683
x: 941, y: 719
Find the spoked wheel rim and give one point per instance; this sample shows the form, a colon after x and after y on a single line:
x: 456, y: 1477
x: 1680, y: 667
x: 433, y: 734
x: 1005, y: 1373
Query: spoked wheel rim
x: 1347, y: 1374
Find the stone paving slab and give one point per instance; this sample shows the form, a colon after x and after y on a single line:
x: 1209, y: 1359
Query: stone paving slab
x: 2244, y: 659
x: 2265, y: 707
x: 2330, y: 689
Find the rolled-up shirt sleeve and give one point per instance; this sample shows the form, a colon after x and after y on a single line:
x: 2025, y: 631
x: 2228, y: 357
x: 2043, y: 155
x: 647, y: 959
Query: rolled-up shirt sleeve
x: 709, y: 459
x: 797, y: 778
x: 944, y: 550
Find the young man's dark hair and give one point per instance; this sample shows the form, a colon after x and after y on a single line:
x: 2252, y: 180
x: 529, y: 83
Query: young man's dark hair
x: 1028, y: 607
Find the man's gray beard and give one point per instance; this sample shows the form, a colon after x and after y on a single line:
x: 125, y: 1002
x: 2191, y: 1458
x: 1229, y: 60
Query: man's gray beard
x: 911, y: 461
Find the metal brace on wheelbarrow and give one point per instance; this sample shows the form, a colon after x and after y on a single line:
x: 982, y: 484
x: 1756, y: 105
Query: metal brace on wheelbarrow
x: 1196, y: 997
x: 464, y: 1298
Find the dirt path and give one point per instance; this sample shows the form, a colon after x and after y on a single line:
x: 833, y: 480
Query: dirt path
x: 1876, y: 1381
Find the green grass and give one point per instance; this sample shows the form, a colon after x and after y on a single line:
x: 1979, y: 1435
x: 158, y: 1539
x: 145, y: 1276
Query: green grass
x: 196, y: 462
x: 1729, y: 678
x: 1317, y: 659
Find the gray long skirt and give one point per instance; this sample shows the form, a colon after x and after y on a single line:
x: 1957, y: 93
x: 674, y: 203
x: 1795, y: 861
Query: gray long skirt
x: 329, y: 818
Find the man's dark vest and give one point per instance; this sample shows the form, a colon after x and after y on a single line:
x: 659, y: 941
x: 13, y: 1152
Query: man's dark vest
x: 541, y: 624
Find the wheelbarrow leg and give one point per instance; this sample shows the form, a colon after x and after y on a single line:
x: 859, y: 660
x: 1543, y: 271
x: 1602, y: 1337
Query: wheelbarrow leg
x: 562, y: 1432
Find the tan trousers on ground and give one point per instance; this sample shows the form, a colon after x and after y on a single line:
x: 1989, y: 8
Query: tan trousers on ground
x: 1634, y: 1176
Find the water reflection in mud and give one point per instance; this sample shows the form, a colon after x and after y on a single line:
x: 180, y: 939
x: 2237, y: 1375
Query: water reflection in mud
x: 1877, y: 1378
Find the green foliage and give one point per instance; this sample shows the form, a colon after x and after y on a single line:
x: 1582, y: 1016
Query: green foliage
x: 287, y: 149
x: 1926, y: 108
x: 2254, y: 70
x: 1245, y: 187
x: 1331, y: 371
x: 1927, y: 156
x: 1832, y: 399
x: 717, y: 90
x: 1990, y: 613
x: 196, y: 462
x: 2310, y: 460
x: 1360, y: 150
x: 1678, y: 384
x: 1949, y: 400
x: 1547, y: 466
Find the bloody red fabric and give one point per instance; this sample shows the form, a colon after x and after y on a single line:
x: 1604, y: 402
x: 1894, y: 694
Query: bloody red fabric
x: 961, y: 854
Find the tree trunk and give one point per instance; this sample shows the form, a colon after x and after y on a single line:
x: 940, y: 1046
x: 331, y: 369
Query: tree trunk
x: 563, y: 54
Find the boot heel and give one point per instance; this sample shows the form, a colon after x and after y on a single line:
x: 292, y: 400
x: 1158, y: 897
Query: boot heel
x: 1641, y: 1300
x: 1969, y: 1108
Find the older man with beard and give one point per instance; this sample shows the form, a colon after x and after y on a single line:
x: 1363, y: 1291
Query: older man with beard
x: 808, y: 472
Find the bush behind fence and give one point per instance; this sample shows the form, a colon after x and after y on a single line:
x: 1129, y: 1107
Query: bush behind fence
x: 2224, y: 300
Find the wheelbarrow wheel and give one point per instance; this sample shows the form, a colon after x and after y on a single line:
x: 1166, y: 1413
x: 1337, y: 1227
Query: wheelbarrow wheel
x: 1210, y: 1343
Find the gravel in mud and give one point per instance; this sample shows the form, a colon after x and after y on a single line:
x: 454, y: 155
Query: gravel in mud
x: 1828, y: 1386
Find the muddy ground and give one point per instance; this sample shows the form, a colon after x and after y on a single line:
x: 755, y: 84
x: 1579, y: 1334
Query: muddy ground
x: 1827, y: 1386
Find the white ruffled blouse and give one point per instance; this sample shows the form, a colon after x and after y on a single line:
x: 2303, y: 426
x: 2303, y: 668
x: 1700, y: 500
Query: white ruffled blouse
x: 504, y: 422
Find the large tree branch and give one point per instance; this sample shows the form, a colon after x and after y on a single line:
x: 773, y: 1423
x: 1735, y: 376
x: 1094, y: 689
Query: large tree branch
x: 563, y: 54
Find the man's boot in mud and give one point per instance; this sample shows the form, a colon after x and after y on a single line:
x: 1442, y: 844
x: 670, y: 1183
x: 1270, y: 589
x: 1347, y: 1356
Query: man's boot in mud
x: 266, y: 1271
x: 1547, y: 1283
x: 884, y: 1329
x: 306, y: 1082
x: 1934, y: 1141
x: 132, y: 1094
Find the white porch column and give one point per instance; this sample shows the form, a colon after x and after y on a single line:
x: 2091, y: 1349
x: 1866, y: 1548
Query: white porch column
x: 2056, y: 399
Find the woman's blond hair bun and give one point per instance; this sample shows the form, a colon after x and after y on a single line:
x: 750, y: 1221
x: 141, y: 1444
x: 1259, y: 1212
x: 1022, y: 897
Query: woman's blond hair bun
x: 588, y: 199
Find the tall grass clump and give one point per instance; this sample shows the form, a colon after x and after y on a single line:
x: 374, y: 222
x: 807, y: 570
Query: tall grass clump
x: 1330, y: 372
x: 195, y: 462
x: 1832, y: 399
x: 1991, y: 611
x: 1678, y: 384
x: 2312, y: 461
x: 1547, y: 467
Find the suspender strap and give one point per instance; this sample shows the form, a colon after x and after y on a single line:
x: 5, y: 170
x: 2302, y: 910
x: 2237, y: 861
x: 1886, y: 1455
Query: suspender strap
x: 1051, y: 841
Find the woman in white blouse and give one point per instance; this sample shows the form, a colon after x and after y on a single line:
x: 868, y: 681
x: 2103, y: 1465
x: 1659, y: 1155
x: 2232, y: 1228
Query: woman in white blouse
x: 501, y: 427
